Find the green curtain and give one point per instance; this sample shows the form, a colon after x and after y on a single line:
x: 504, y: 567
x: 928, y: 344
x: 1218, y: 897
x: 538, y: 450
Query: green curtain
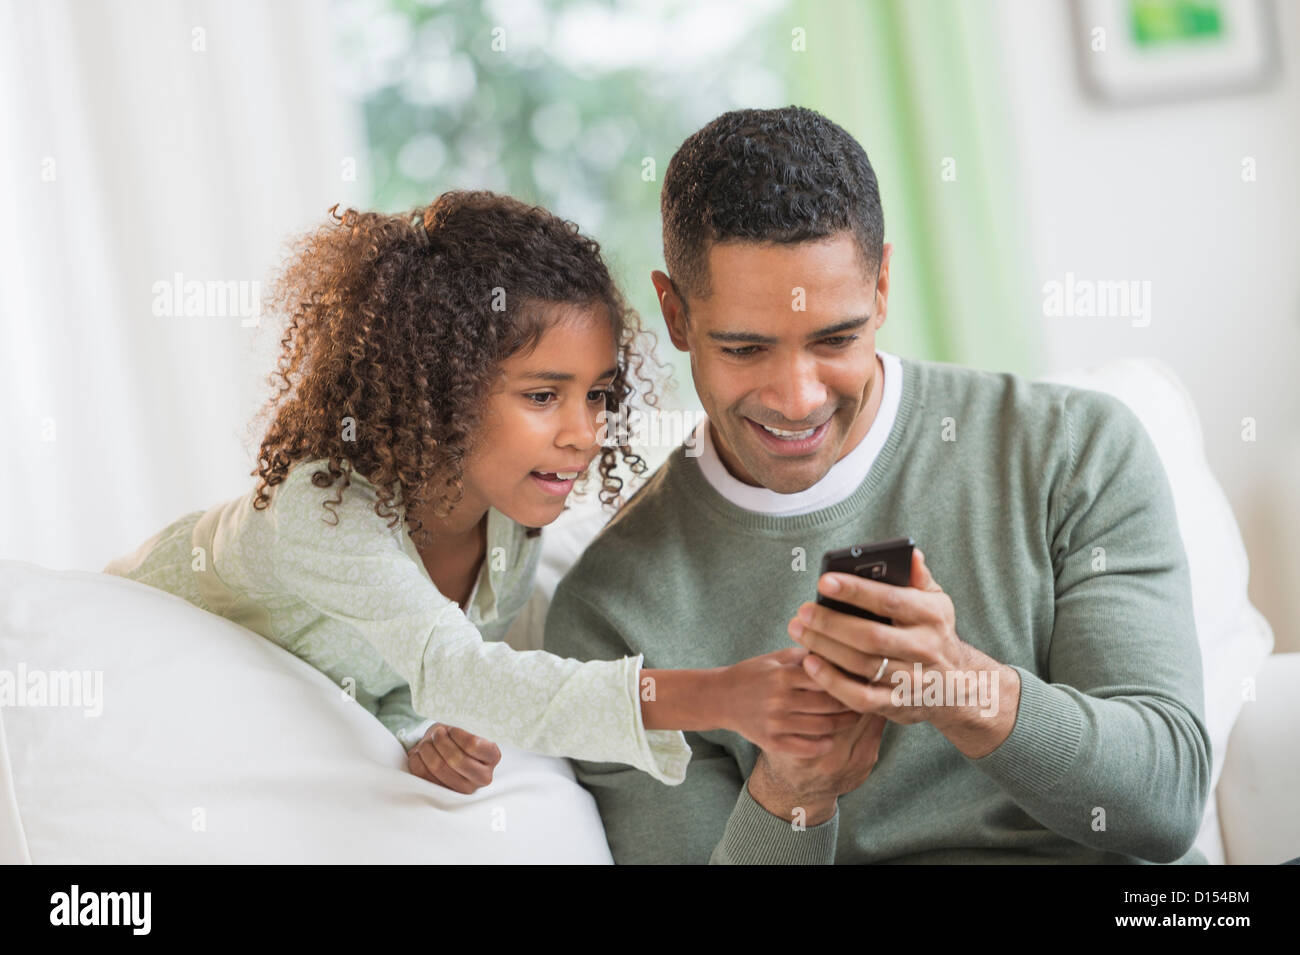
x: 917, y: 83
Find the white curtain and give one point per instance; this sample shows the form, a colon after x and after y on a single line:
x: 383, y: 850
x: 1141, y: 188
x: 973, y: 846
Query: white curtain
x: 142, y: 143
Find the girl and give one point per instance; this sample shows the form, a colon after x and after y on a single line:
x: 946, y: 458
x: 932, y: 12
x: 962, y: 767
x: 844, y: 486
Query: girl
x: 439, y: 394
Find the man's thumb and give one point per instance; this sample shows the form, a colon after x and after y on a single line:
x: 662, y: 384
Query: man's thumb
x: 922, y: 579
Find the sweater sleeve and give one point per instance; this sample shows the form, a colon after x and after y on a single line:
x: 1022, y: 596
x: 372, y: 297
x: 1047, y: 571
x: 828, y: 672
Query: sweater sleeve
x: 709, y: 818
x: 1111, y: 749
x: 356, y: 571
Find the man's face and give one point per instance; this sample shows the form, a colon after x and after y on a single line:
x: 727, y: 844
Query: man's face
x: 786, y: 339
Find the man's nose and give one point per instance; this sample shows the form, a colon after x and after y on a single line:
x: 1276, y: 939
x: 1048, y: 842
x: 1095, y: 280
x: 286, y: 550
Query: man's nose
x: 798, y: 392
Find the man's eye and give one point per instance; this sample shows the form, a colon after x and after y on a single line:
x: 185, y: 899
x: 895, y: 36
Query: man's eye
x: 839, y: 341
x: 741, y: 352
x: 540, y: 394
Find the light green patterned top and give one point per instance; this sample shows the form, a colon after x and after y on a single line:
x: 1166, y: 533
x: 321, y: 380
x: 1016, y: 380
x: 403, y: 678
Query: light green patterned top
x: 355, y: 600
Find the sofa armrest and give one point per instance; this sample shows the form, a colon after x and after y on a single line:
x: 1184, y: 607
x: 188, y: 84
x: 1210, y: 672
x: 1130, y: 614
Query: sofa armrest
x: 1261, y: 771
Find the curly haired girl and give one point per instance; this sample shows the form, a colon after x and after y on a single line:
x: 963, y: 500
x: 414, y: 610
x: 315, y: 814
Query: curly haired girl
x: 439, y: 392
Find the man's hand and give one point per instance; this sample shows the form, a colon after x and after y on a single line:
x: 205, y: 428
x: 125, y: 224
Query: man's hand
x: 799, y: 789
x: 772, y: 702
x: 929, y: 673
x: 453, y: 758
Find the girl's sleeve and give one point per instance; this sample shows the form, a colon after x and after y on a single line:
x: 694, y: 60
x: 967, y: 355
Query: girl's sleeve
x: 358, y: 573
x: 396, y: 713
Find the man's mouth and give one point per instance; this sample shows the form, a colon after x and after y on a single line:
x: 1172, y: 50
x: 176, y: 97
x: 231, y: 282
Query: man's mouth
x: 786, y: 442
x: 789, y: 435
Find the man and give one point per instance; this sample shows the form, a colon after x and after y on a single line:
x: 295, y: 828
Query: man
x: 1050, y: 579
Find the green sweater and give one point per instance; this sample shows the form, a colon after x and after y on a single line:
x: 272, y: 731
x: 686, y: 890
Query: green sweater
x: 1046, y: 516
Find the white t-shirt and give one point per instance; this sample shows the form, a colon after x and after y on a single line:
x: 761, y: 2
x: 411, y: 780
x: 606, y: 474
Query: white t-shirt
x: 844, y: 477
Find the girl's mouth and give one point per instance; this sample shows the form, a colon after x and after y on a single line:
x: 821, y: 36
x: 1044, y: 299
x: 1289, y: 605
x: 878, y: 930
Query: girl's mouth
x: 551, y: 482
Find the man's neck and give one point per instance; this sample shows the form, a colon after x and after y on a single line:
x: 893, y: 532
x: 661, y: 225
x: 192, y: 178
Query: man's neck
x: 867, y: 416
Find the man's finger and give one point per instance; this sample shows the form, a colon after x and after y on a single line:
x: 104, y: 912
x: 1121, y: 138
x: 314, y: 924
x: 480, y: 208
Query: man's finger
x: 855, y: 694
x: 866, y: 636
x: 903, y: 605
x: 867, y: 748
x: 847, y: 658
x: 922, y: 579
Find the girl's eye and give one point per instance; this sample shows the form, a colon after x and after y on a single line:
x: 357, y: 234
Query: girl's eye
x: 543, y: 398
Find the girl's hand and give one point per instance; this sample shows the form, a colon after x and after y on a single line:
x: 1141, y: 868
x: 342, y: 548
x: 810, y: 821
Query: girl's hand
x: 453, y: 758
x: 772, y: 702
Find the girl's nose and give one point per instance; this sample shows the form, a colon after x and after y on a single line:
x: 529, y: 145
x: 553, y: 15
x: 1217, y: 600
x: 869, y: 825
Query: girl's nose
x: 579, y: 431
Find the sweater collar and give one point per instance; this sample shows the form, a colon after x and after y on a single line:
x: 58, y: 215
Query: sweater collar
x: 704, y: 496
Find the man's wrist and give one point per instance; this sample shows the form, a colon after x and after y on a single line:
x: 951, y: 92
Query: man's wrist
x: 980, y: 727
x: 782, y: 801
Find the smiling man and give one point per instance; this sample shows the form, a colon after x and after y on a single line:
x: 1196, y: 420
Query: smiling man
x: 782, y: 411
x: 1049, y: 568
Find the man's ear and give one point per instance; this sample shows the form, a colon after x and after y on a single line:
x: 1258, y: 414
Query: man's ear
x: 673, y: 308
x: 882, y: 284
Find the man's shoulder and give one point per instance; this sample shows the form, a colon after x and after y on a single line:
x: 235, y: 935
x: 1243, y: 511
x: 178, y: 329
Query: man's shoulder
x: 941, y: 381
x: 643, y: 526
x: 657, y: 503
x: 1016, y: 403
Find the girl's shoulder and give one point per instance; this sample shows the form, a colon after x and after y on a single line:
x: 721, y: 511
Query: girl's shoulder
x: 307, y: 491
x: 311, y: 476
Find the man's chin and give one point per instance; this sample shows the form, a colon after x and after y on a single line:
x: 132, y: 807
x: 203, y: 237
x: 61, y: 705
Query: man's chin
x: 790, y: 476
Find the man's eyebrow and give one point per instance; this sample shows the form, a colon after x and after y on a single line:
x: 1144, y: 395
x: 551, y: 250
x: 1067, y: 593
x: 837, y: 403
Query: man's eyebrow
x: 752, y: 338
x: 547, y: 375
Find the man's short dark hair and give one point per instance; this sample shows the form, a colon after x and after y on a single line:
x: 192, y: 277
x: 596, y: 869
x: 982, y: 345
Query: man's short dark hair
x: 766, y: 175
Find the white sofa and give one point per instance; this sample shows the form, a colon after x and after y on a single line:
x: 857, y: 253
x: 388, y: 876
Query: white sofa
x: 214, y: 745
x: 1253, y: 721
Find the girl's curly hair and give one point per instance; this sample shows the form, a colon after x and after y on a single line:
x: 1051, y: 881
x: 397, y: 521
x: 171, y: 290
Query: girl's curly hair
x: 397, y: 325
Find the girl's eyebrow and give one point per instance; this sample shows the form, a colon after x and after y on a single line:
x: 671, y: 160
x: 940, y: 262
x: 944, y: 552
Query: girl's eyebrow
x: 543, y: 375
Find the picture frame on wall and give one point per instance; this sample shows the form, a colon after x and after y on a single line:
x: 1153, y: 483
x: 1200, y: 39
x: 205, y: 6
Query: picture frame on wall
x: 1132, y: 52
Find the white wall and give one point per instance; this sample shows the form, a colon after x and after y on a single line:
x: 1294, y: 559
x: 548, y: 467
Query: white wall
x: 1155, y: 193
x: 141, y: 139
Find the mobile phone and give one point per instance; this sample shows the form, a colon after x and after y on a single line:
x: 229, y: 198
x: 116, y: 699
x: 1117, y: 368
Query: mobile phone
x: 889, y: 561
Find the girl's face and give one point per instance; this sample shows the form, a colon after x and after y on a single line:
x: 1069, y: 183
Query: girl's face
x: 541, y: 428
